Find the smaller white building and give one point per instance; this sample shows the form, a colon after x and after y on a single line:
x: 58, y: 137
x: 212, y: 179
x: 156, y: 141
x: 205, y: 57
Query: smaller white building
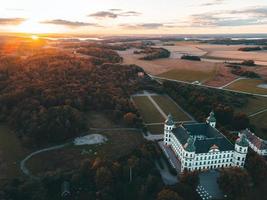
x: 200, y: 146
x: 255, y: 143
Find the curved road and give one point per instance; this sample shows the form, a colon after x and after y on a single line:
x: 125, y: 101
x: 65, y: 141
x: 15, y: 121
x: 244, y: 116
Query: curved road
x: 23, y: 167
x: 27, y: 172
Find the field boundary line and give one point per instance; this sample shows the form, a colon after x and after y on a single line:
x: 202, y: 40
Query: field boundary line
x: 156, y: 105
x: 257, y: 113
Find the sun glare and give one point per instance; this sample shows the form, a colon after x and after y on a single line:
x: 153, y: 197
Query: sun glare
x: 35, y: 37
x: 33, y: 26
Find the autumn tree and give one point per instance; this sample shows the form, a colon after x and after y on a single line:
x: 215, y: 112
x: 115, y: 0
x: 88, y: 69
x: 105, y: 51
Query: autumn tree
x: 240, y: 121
x: 167, y: 194
x: 190, y: 178
x: 129, y: 118
x: 257, y: 168
x: 234, y: 182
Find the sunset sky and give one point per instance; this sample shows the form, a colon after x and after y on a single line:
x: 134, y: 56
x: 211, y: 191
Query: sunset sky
x: 134, y: 16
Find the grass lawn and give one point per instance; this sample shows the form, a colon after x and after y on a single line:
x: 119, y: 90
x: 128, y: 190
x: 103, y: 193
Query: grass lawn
x: 155, y: 129
x: 254, y: 104
x: 11, y: 153
x: 120, y: 143
x: 168, y: 106
x: 189, y: 75
x: 248, y: 85
x: 260, y: 121
x: 148, y: 111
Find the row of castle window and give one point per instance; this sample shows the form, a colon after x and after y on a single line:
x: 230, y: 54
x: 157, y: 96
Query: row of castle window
x: 214, y: 157
x: 212, y: 167
x: 213, y: 162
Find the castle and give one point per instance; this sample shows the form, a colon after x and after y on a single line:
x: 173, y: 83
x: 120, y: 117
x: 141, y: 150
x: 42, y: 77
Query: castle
x: 200, y: 146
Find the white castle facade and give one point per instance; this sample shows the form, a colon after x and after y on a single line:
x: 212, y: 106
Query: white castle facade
x: 200, y: 146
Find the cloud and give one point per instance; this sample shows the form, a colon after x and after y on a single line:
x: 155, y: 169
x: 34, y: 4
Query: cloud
x: 104, y: 14
x: 11, y: 21
x: 115, y: 10
x: 249, y: 16
x: 69, y: 23
x: 144, y: 26
x: 212, y: 3
x: 114, y: 13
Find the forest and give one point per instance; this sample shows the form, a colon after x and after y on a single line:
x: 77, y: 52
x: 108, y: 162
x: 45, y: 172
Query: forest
x: 153, y: 53
x: 44, y: 96
x: 106, y: 180
x: 200, y: 101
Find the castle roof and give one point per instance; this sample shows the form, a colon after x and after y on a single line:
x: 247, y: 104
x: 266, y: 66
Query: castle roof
x: 242, y: 141
x: 256, y: 141
x: 211, y: 118
x: 190, y: 146
x: 205, y: 137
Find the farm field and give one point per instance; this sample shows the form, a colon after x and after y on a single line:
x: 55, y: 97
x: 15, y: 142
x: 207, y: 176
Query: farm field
x: 260, y: 121
x: 212, y: 73
x: 147, y: 110
x: 248, y: 85
x: 119, y: 144
x: 189, y: 75
x: 11, y: 153
x: 169, y: 106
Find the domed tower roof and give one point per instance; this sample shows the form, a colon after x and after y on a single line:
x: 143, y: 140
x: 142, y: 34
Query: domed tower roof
x: 169, y: 121
x: 190, y: 145
x: 242, y: 141
x: 211, y: 118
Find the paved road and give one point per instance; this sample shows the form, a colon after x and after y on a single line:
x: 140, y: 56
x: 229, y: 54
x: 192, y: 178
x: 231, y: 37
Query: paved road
x: 23, y: 167
x: 206, y: 86
x: 27, y: 172
x: 238, y: 79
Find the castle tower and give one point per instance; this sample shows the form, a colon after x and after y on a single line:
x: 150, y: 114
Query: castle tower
x: 241, y: 150
x: 211, y: 120
x: 189, y: 154
x: 168, y: 126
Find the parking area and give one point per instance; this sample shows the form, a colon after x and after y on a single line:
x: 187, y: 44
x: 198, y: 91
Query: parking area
x: 208, y: 187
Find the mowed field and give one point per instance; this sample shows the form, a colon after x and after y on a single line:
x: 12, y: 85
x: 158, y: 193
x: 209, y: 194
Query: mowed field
x: 248, y: 85
x: 11, y: 153
x: 152, y: 117
x: 119, y: 144
x: 148, y: 111
x: 170, y: 107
